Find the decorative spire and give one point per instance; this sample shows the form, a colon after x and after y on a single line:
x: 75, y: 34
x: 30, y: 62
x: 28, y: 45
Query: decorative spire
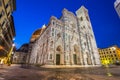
x: 43, y: 26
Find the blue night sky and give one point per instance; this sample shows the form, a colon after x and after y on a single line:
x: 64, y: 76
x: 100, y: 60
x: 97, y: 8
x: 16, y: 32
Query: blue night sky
x: 32, y: 14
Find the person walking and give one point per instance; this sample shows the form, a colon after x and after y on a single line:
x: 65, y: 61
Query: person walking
x: 1, y: 63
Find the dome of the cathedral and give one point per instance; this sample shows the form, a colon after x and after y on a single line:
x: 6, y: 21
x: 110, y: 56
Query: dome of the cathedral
x: 37, y: 33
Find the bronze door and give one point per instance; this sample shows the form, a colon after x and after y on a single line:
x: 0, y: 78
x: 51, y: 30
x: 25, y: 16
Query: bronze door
x: 57, y: 59
x: 75, y: 58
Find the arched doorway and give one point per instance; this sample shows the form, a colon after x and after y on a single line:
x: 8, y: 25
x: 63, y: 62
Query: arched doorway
x: 58, y: 55
x: 76, y: 51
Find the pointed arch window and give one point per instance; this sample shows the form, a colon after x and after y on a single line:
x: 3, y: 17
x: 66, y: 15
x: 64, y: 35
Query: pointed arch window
x: 81, y: 18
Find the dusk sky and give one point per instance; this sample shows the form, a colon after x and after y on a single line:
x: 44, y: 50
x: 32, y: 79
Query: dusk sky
x: 32, y: 14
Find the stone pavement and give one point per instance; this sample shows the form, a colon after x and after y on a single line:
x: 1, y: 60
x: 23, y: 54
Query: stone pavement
x: 16, y: 72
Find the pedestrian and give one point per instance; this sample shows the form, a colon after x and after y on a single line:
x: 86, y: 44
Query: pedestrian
x: 1, y: 63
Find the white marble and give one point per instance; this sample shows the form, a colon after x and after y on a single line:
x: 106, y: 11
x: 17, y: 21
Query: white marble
x: 67, y: 41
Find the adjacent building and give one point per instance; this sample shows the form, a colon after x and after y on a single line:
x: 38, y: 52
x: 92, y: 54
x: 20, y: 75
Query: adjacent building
x: 21, y: 54
x: 110, y: 55
x: 117, y: 7
x: 7, y: 29
x: 66, y: 41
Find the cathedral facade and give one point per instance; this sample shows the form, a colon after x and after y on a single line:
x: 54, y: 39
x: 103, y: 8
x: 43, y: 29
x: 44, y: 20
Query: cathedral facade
x: 66, y: 41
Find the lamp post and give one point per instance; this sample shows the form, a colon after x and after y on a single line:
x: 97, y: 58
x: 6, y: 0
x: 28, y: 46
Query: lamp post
x: 9, y: 55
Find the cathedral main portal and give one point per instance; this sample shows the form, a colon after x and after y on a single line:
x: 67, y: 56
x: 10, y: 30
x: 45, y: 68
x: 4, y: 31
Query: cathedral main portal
x: 59, y: 55
x: 57, y: 59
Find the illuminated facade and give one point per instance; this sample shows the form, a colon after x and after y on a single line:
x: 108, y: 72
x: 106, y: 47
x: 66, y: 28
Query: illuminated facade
x: 66, y: 41
x: 109, y: 55
x: 7, y: 30
x: 118, y: 52
x: 33, y: 39
x: 21, y: 54
x: 117, y: 7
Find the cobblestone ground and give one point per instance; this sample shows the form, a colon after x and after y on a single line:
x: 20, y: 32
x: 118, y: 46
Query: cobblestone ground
x: 16, y: 72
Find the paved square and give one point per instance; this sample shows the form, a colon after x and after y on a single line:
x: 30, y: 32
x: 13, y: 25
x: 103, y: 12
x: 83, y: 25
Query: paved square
x: 15, y: 72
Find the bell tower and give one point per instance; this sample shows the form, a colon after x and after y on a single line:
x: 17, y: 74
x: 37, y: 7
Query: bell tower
x: 87, y: 39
